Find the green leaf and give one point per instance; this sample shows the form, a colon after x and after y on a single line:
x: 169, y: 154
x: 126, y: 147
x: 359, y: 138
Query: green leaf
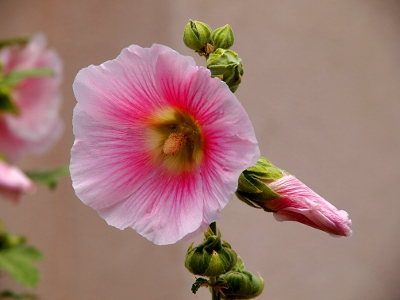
x: 7, y: 294
x: 49, y: 177
x: 18, y: 262
x: 13, y: 78
x: 199, y: 283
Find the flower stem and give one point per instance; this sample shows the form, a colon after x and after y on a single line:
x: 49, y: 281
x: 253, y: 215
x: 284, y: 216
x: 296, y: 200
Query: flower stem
x: 213, y: 227
x: 213, y: 280
x: 214, y: 293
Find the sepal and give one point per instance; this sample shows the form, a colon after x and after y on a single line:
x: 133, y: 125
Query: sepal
x: 252, y: 188
x: 15, y: 77
x: 10, y: 80
x: 6, y: 103
x: 22, y: 40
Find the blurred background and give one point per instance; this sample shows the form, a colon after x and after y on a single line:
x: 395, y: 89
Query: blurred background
x: 322, y: 89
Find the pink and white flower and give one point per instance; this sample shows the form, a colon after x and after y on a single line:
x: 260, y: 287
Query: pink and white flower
x: 14, y: 183
x: 38, y: 124
x: 159, y: 144
x: 297, y: 202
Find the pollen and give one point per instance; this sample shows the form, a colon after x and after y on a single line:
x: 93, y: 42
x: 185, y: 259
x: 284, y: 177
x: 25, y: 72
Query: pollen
x: 174, y: 143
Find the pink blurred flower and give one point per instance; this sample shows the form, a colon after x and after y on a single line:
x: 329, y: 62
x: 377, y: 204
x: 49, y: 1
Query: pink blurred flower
x: 14, y: 183
x: 297, y: 202
x: 159, y: 145
x: 38, y: 124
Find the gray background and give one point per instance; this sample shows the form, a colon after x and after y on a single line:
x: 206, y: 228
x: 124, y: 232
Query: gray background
x: 321, y: 87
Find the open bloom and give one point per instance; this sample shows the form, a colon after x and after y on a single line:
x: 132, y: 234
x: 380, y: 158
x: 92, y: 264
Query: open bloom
x: 14, y: 183
x: 37, y: 125
x: 159, y: 145
x: 274, y: 190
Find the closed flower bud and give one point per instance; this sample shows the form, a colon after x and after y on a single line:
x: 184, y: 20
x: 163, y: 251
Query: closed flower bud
x: 240, y: 284
x: 227, y: 66
x: 13, y: 182
x: 223, y: 37
x: 196, y: 35
x: 274, y: 190
x: 211, y: 258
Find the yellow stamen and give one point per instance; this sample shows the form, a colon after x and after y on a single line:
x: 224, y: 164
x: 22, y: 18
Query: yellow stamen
x: 174, y: 143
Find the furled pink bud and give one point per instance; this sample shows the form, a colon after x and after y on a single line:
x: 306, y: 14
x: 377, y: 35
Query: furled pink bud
x: 274, y: 190
x: 297, y: 202
x: 14, y: 183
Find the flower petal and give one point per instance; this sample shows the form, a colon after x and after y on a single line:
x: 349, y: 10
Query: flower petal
x: 297, y: 202
x: 113, y: 168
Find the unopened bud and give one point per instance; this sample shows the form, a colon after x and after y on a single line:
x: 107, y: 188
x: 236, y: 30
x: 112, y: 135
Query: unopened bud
x: 211, y: 258
x: 274, y: 190
x: 240, y: 284
x: 223, y: 37
x: 227, y: 66
x: 196, y: 35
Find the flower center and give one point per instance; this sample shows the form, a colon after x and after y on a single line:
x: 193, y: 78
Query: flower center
x: 174, y: 143
x: 175, y: 139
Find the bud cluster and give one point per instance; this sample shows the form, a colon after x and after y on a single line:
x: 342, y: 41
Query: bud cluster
x: 225, y: 269
x: 223, y: 63
x: 211, y: 258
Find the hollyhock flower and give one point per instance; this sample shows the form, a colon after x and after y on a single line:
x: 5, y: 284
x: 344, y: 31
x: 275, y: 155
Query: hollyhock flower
x: 267, y: 187
x: 159, y: 144
x: 37, y: 125
x: 14, y: 183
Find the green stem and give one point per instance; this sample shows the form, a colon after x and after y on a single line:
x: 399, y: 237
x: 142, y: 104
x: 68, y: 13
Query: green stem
x: 213, y: 280
x: 213, y: 227
x: 214, y: 294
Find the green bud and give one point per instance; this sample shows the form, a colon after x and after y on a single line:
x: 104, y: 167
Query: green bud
x: 223, y: 37
x: 240, y: 284
x: 252, y: 187
x: 196, y: 35
x: 211, y: 258
x: 227, y: 66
